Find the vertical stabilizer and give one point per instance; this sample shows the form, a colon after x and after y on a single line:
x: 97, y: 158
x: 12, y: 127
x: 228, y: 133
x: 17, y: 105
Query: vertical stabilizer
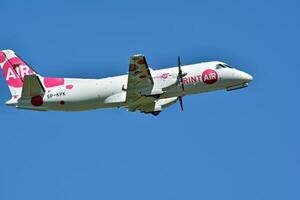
x: 14, y: 70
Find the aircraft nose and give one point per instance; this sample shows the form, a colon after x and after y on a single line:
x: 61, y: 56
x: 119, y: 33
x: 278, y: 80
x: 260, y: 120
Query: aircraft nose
x: 246, y: 77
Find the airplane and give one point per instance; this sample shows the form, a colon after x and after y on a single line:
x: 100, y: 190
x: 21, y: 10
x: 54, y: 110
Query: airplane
x: 142, y: 89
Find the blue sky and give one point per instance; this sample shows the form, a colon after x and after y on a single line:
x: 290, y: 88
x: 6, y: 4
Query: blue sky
x: 225, y: 145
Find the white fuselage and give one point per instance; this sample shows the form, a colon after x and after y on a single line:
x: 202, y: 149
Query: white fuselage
x: 84, y: 94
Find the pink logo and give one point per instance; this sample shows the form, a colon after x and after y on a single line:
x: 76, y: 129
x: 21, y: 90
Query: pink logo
x: 165, y: 75
x: 14, y: 72
x: 11, y: 76
x: 209, y: 76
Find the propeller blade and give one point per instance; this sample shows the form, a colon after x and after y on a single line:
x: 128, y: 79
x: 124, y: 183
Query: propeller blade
x: 180, y: 75
x: 179, y: 68
x: 181, y: 103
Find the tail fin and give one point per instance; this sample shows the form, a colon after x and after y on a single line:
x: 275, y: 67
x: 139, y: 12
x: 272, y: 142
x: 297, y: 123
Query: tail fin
x: 14, y: 70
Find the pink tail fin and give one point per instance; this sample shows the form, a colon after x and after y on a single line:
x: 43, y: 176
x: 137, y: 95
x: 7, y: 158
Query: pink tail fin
x: 14, y: 70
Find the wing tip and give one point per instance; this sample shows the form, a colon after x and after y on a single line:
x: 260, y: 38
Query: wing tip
x: 137, y: 55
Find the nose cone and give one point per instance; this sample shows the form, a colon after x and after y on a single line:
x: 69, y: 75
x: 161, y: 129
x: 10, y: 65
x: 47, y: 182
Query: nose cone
x: 245, y: 77
x: 248, y: 77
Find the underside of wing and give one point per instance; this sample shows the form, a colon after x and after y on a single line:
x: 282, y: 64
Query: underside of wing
x: 139, y: 78
x: 141, y: 94
x: 151, y: 105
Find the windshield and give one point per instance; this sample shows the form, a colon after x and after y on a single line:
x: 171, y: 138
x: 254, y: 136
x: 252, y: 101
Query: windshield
x: 220, y: 66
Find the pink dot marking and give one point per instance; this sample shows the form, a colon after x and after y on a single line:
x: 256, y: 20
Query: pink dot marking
x: 141, y: 62
x: 69, y: 87
x: 2, y: 57
x: 37, y: 101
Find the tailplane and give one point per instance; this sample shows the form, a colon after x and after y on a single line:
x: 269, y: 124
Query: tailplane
x: 14, y: 70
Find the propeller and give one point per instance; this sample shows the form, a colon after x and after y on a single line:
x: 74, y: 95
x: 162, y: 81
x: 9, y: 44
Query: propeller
x: 180, y: 101
x: 179, y: 77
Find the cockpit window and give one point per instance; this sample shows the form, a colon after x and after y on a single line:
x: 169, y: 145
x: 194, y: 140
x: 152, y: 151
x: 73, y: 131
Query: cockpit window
x: 220, y: 66
x: 227, y: 66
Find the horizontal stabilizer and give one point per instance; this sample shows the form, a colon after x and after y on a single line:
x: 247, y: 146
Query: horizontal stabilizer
x: 32, y: 87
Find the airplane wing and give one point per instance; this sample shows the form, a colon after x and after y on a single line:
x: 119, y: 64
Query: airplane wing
x: 140, y: 92
x: 140, y: 80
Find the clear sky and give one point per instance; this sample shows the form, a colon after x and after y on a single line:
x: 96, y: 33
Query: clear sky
x: 234, y: 145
